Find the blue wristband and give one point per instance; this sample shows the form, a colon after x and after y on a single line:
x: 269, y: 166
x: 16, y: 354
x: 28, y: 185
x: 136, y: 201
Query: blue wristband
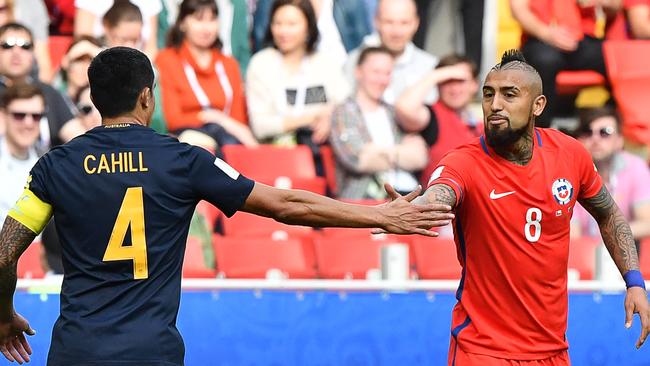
x: 634, y: 278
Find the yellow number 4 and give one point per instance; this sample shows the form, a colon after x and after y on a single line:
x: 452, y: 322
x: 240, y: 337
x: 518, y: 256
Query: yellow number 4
x: 131, y: 214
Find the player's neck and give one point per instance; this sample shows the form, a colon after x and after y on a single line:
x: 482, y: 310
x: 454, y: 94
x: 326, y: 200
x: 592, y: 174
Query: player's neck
x: 126, y: 119
x: 520, y: 153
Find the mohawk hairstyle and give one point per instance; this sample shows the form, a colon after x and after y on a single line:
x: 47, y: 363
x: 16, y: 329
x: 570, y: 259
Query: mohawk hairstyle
x: 514, y: 59
x: 512, y: 55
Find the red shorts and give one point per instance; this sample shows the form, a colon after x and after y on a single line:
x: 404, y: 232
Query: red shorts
x: 458, y: 357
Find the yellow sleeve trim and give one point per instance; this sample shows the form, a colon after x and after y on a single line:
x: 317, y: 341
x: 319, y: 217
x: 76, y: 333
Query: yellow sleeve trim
x: 30, y: 211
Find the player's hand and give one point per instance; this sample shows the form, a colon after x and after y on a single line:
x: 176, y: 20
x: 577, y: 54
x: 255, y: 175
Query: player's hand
x: 636, y: 302
x: 404, y: 217
x: 13, y: 344
x: 561, y: 38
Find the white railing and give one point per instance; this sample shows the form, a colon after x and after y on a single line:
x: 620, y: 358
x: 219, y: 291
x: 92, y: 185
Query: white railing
x: 52, y: 285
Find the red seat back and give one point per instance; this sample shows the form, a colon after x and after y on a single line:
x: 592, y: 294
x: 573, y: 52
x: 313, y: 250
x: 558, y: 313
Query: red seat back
x: 435, y: 259
x: 243, y: 224
x: 582, y: 256
x: 194, y: 265
x: 571, y: 81
x: 253, y: 257
x: 629, y: 76
x: 329, y: 166
x: 267, y: 161
x: 58, y: 46
x: 29, y: 263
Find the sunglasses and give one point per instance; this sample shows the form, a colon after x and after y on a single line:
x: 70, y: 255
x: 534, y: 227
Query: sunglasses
x: 12, y: 42
x: 85, y: 109
x: 603, y: 132
x: 20, y: 116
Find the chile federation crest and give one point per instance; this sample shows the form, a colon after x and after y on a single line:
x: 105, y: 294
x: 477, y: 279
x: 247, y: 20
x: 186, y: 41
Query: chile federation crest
x: 562, y: 191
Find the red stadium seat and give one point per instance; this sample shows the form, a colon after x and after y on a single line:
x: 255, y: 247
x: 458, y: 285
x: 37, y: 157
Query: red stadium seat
x: 570, y: 82
x: 29, y: 264
x: 435, y: 259
x: 210, y: 212
x: 582, y: 256
x: 253, y: 257
x: 329, y: 166
x: 194, y: 265
x: 350, y: 257
x: 276, y: 166
x: 629, y: 75
x: 58, y: 46
x: 243, y: 224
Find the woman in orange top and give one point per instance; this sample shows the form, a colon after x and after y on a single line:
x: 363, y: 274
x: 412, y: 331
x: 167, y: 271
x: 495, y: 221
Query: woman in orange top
x: 201, y: 87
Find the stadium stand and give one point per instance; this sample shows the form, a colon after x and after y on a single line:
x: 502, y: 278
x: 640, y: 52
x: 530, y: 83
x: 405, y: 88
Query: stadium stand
x: 435, y: 259
x: 29, y: 264
x: 254, y: 257
x: 582, y: 256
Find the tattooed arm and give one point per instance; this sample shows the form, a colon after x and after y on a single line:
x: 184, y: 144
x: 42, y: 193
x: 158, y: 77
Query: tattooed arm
x: 619, y: 241
x: 14, y: 239
x: 438, y: 193
x: 614, y: 229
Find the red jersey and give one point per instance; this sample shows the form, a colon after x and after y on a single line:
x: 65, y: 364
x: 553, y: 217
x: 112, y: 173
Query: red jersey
x: 512, y: 236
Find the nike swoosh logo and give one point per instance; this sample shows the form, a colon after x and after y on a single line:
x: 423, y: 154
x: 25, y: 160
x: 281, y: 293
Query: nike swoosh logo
x: 496, y: 196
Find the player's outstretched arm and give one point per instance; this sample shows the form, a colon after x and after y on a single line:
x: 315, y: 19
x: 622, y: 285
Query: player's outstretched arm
x: 619, y: 241
x: 14, y: 239
x: 438, y: 194
x: 297, y: 207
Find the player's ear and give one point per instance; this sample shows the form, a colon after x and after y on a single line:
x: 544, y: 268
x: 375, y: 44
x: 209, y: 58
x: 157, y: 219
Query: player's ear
x: 538, y: 105
x: 146, y: 97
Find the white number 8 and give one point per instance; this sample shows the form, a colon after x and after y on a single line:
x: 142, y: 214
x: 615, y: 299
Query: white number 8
x: 533, y: 219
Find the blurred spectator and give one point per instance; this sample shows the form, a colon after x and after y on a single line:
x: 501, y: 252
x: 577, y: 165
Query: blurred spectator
x: 292, y: 87
x: 342, y: 24
x: 90, y: 13
x: 559, y: 35
x: 201, y: 87
x: 396, y: 22
x: 33, y: 14
x: 16, y: 62
x: 369, y: 147
x: 633, y: 22
x: 451, y: 26
x: 61, y: 14
x: 88, y: 116
x: 22, y: 106
x: 626, y: 176
x: 449, y: 122
x: 73, y: 75
x: 234, y: 31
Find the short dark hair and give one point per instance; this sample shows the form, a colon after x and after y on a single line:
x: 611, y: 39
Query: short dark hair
x: 455, y: 59
x: 176, y: 36
x: 16, y: 27
x: 307, y: 10
x: 117, y: 76
x: 367, y: 51
x: 587, y: 115
x: 121, y: 11
x: 20, y: 91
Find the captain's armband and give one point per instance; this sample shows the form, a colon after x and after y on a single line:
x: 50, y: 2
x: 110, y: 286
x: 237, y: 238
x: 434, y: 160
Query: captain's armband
x: 30, y: 211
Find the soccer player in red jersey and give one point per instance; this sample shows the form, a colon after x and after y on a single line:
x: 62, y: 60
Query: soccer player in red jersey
x: 513, y: 191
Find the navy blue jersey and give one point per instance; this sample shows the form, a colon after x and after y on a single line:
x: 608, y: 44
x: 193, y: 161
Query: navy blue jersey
x: 122, y: 199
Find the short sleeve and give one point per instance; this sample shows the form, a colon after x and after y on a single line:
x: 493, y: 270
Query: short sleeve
x: 215, y: 181
x: 37, y: 182
x: 590, y: 182
x: 452, y: 171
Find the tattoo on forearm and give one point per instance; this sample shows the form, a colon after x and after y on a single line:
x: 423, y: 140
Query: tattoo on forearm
x: 14, y: 239
x: 614, y: 229
x: 441, y: 193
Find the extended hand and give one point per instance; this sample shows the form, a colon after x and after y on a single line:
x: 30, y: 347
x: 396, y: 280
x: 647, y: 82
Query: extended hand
x: 13, y: 344
x: 405, y: 217
x: 636, y: 302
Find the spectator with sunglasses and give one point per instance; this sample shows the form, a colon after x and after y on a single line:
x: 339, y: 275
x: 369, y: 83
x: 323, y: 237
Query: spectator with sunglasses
x: 626, y: 176
x: 21, y: 107
x: 87, y: 116
x: 16, y: 62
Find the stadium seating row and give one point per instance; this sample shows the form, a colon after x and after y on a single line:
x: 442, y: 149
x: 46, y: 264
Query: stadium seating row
x: 334, y: 253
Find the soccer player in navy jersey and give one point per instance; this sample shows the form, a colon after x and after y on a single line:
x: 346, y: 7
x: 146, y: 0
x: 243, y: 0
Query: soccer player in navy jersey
x: 123, y: 197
